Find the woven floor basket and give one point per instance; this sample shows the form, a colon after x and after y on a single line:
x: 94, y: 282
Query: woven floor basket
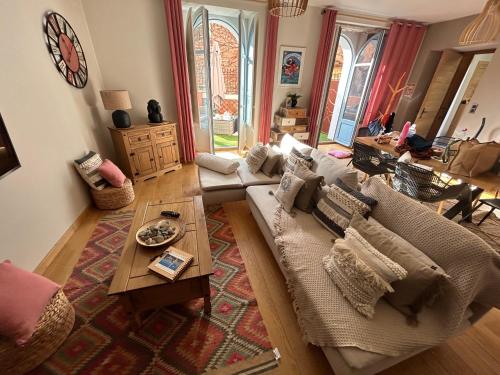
x: 52, y: 329
x: 111, y: 198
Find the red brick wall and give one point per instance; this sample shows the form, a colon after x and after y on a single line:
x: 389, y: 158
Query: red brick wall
x: 229, y: 49
x: 332, y: 93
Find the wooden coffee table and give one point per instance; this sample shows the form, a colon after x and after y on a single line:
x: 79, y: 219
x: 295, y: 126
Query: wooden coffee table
x: 141, y: 289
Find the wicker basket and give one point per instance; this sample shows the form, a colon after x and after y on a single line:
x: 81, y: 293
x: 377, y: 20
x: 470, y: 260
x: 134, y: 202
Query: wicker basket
x: 52, y: 329
x: 111, y: 198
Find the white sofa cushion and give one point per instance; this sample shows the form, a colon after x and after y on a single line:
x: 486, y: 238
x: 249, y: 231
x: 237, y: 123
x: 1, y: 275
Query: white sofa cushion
x: 288, y: 142
x: 216, y: 163
x: 211, y: 180
x: 249, y: 179
x: 266, y: 203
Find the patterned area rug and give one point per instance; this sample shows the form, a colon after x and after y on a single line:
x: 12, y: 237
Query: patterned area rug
x: 173, y: 340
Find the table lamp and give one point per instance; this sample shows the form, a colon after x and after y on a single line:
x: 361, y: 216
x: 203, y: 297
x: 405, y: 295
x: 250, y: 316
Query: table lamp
x: 117, y: 101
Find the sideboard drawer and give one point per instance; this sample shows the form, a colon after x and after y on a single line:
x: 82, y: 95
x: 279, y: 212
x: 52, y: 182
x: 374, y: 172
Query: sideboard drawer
x: 139, y: 137
x: 165, y: 134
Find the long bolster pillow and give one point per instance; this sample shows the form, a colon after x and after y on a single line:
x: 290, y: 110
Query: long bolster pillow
x: 216, y: 163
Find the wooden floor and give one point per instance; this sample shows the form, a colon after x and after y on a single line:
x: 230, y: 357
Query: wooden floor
x: 475, y: 352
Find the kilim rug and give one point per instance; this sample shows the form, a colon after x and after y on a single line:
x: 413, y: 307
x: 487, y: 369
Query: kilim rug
x: 173, y: 340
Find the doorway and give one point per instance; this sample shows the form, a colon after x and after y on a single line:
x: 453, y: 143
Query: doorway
x: 463, y: 97
x: 220, y: 44
x: 453, y: 83
x: 356, y: 58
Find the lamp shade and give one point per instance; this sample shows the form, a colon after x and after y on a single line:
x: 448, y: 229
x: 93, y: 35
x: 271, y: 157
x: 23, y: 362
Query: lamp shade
x: 115, y: 99
x: 287, y: 8
x: 485, y: 27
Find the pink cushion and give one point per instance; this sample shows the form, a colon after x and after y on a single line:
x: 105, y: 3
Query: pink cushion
x: 112, y: 173
x: 23, y: 297
x: 340, y: 154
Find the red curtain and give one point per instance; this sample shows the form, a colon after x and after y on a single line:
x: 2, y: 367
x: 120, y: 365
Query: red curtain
x: 400, y: 50
x: 175, y: 29
x: 266, y: 98
x: 320, y: 72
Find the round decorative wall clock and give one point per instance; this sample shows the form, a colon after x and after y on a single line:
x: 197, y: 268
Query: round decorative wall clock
x: 65, y: 50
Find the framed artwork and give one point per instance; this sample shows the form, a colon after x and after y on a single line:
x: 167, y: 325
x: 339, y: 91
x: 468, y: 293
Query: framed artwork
x: 291, y: 66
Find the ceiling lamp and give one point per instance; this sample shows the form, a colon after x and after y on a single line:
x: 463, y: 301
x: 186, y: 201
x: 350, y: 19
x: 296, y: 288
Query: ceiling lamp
x: 485, y: 26
x: 287, y: 8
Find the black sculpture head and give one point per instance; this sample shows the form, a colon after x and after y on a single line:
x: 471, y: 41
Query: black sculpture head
x: 154, y: 111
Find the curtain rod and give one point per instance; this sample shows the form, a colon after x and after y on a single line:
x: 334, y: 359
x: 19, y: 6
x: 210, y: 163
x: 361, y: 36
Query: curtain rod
x: 373, y: 18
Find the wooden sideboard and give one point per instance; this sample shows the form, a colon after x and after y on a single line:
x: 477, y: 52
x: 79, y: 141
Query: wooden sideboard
x: 146, y: 151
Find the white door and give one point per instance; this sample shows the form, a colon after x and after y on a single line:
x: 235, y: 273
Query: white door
x: 197, y: 37
x: 247, y: 33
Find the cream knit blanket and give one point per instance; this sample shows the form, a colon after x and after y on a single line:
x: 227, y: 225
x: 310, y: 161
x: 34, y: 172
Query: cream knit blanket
x: 327, y: 318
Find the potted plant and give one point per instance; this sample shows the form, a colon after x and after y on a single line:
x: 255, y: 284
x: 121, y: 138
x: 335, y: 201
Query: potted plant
x: 293, y: 99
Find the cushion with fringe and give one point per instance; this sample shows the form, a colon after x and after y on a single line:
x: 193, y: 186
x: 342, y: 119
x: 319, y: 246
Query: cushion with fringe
x: 425, y: 280
x: 361, y: 272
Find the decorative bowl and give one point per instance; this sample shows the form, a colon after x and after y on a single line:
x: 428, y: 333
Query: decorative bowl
x: 175, y: 225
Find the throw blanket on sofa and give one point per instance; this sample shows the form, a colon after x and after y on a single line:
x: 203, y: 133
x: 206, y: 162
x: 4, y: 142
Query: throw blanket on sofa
x: 327, y: 318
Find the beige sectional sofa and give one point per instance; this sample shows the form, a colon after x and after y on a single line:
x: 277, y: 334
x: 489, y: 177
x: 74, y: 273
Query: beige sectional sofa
x: 255, y: 189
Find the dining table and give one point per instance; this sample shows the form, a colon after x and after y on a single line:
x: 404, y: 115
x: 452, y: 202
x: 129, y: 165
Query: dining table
x: 488, y: 181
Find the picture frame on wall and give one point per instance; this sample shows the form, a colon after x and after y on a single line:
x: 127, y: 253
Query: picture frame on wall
x: 291, y: 66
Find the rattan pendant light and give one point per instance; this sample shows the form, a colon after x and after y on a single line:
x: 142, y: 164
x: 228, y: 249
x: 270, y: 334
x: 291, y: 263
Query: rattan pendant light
x: 287, y: 8
x: 485, y: 27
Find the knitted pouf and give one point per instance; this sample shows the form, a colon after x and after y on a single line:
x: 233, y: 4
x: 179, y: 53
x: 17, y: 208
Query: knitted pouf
x: 54, y: 326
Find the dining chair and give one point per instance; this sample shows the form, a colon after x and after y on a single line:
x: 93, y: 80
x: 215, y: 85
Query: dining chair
x: 424, y: 185
x: 371, y: 161
x: 494, y: 204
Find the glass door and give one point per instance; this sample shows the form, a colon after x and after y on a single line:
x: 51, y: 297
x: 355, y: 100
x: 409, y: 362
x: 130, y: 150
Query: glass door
x: 247, y: 31
x: 360, y: 81
x: 201, y: 88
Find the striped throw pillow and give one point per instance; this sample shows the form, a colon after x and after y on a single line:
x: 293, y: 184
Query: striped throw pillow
x: 335, y: 210
x: 296, y: 157
x: 88, y: 167
x: 256, y: 157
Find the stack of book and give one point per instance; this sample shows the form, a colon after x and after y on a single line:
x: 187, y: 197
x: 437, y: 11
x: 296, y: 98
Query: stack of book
x: 293, y: 121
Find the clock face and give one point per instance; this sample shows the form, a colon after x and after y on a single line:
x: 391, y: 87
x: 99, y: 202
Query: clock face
x: 65, y: 50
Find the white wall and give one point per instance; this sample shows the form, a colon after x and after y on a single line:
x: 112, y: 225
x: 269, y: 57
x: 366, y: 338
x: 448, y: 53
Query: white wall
x: 50, y: 124
x: 439, y: 36
x: 459, y: 96
x: 131, y: 44
x: 303, y: 31
x: 486, y: 95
